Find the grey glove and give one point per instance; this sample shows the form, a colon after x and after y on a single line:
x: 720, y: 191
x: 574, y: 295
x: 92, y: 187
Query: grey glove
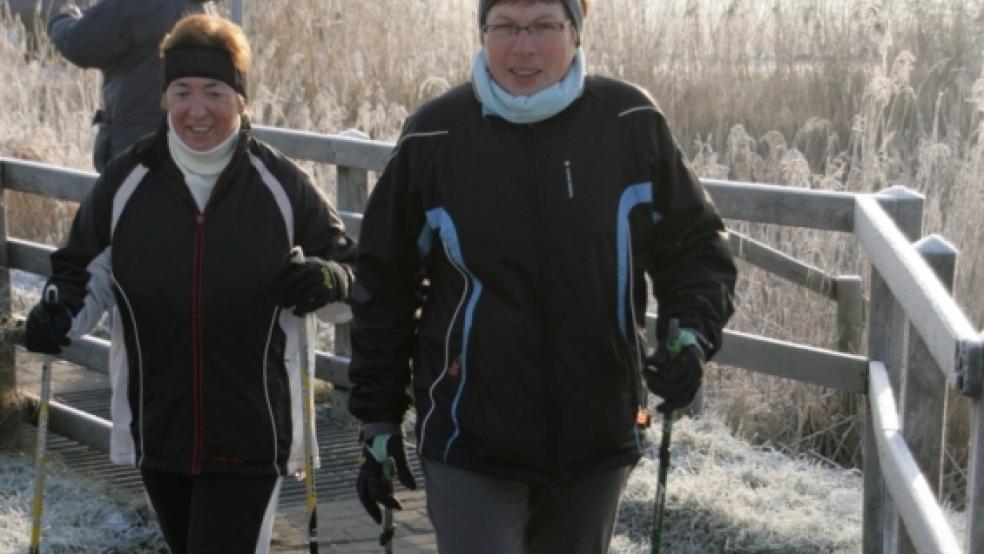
x: 383, y: 458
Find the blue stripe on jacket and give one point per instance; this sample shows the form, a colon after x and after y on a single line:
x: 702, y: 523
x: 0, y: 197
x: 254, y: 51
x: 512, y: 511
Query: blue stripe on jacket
x: 639, y: 193
x: 439, y: 220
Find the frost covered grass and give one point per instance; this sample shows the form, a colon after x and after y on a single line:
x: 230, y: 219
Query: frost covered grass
x: 80, y: 515
x: 724, y: 495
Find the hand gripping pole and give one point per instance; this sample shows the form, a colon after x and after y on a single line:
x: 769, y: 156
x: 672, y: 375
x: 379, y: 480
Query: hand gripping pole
x: 40, y: 453
x: 305, y: 339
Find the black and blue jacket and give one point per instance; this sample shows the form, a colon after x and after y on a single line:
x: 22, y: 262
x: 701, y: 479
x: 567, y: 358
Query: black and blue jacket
x: 502, y: 273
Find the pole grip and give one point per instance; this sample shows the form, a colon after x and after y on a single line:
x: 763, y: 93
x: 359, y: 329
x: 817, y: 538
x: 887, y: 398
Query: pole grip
x: 50, y: 295
x: 296, y: 255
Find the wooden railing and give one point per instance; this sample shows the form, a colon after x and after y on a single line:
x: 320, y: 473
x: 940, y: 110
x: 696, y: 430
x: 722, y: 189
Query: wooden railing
x: 919, y: 342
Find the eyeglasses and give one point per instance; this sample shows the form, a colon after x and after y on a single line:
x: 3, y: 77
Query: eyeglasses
x: 541, y: 31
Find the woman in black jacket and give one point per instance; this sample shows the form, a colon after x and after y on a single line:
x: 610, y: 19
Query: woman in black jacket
x: 187, y: 234
x: 501, y: 277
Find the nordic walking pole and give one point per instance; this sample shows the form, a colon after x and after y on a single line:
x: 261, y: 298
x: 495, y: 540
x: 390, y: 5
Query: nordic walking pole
x: 664, y: 466
x: 304, y: 346
x: 51, y: 296
x: 389, y: 528
x: 673, y: 347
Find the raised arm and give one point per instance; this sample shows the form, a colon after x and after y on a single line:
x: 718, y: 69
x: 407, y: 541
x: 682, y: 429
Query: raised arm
x: 96, y: 38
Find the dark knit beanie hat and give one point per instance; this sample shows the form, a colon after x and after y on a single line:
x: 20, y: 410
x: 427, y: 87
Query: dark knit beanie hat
x: 573, y: 8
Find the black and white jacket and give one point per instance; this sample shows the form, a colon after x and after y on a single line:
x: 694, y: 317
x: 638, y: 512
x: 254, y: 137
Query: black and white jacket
x: 204, y: 365
x: 525, y: 249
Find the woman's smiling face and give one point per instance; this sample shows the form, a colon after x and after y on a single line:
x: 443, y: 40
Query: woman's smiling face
x: 529, y: 62
x: 203, y: 111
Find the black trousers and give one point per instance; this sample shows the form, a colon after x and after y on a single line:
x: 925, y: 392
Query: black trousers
x: 205, y: 514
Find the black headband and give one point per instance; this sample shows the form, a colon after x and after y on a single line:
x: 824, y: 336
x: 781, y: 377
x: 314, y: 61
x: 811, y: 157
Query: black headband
x: 202, y: 61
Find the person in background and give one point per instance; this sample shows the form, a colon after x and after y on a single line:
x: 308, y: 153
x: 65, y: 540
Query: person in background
x: 120, y: 38
x: 187, y: 234
x: 501, y: 277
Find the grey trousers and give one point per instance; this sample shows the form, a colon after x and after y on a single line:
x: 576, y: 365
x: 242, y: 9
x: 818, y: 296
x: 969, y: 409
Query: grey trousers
x: 474, y: 513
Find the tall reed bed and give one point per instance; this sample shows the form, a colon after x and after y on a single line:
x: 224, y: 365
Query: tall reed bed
x: 832, y: 94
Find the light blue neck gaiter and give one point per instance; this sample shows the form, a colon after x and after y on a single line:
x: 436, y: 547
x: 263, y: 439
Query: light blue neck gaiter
x: 527, y: 109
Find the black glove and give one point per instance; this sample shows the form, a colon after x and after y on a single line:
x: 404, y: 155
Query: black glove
x: 311, y: 284
x: 674, y: 372
x: 382, y: 456
x: 47, y: 327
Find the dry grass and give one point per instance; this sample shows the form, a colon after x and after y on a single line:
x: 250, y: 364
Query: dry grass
x: 831, y: 94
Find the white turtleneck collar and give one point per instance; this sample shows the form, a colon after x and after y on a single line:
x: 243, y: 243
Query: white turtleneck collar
x: 201, y: 169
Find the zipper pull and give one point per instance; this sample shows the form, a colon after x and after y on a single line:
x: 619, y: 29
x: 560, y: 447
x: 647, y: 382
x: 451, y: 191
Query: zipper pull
x: 570, y: 182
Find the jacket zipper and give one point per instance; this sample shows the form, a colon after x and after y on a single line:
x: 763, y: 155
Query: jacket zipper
x: 639, y: 394
x: 553, y: 440
x: 198, y: 443
x: 197, y: 326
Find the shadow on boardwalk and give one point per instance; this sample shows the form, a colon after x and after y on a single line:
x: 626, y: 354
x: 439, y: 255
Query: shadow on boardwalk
x: 344, y: 527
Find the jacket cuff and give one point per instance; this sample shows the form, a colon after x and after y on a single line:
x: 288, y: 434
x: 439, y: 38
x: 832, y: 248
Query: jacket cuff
x: 370, y: 430
x: 335, y: 312
x: 55, y: 19
x: 691, y: 337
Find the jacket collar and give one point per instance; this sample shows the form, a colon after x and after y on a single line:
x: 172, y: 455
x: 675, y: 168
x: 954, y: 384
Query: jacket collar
x: 152, y: 150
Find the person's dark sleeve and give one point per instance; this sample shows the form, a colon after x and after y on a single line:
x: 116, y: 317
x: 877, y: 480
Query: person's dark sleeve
x: 97, y: 39
x: 385, y: 297
x: 693, y: 272
x: 319, y: 229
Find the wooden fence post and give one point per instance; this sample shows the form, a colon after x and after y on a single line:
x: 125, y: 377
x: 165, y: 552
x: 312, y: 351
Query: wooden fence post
x: 352, y: 196
x: 923, y: 399
x: 236, y: 12
x: 974, y: 511
x: 887, y: 330
x: 849, y: 295
x: 10, y: 402
x: 850, y: 312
